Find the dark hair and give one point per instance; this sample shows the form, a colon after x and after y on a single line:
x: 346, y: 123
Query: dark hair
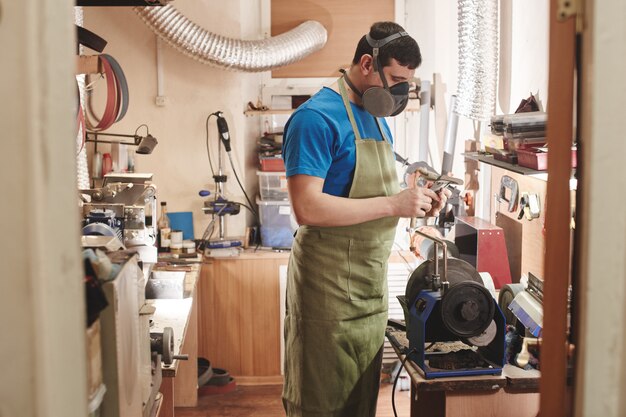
x: 404, y: 49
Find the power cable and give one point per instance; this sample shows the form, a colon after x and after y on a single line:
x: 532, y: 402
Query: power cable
x: 206, y: 125
x: 395, y: 382
x: 241, y: 186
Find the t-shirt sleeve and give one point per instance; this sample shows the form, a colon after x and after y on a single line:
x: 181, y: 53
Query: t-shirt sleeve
x: 307, y: 144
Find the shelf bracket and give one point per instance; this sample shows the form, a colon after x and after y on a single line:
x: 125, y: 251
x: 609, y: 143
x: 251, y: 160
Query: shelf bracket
x: 571, y: 8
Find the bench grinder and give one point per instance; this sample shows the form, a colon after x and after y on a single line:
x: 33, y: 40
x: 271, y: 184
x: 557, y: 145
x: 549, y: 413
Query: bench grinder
x: 454, y: 326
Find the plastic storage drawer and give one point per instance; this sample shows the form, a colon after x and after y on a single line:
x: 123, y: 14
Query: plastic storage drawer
x: 277, y: 224
x: 273, y: 186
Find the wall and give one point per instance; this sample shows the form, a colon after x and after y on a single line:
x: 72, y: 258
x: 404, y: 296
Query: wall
x: 42, y: 314
x: 601, y: 367
x: 193, y: 90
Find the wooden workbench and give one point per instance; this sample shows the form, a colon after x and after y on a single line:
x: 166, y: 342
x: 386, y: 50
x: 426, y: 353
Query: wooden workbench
x: 514, y: 393
x: 180, y: 379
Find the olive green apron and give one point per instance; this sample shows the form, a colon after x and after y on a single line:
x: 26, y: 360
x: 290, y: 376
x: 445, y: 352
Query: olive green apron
x: 337, y: 299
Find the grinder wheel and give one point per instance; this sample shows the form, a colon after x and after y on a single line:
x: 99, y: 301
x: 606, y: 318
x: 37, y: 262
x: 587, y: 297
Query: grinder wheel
x: 458, y: 271
x: 467, y: 309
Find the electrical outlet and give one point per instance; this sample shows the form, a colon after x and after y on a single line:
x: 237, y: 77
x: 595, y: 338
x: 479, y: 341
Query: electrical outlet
x: 160, y: 101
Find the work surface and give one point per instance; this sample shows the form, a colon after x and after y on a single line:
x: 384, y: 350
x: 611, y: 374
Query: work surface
x: 514, y: 393
x: 512, y: 377
x: 175, y: 313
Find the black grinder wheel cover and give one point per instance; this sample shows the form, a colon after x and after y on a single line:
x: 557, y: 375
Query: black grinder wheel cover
x: 467, y: 309
x: 458, y: 271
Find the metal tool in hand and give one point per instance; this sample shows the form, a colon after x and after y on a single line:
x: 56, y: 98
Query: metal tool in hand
x: 439, y: 182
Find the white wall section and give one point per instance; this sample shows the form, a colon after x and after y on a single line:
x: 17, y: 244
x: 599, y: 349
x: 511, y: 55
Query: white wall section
x: 42, y: 313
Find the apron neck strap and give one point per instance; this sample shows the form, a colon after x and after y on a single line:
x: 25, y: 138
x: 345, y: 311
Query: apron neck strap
x: 382, y: 131
x: 346, y: 104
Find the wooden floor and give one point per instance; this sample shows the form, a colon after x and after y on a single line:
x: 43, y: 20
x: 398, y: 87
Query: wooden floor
x: 265, y: 401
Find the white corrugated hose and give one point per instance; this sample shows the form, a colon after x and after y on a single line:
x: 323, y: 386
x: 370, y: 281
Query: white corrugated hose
x: 478, y: 58
x: 216, y: 50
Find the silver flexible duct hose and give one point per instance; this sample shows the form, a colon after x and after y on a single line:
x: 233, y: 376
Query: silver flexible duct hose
x: 478, y: 58
x: 249, y: 56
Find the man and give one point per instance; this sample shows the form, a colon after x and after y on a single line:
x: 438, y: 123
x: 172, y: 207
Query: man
x: 345, y: 195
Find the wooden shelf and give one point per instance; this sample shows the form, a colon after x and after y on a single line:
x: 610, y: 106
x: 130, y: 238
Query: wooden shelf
x: 271, y: 112
x: 489, y: 159
x: 268, y: 112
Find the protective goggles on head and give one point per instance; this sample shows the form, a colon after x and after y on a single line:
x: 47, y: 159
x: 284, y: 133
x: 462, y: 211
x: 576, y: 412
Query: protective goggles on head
x: 383, y: 101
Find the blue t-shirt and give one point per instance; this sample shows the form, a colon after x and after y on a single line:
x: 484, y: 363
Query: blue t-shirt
x: 319, y: 141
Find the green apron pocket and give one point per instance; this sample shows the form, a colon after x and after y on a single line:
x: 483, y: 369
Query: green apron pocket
x: 367, y: 264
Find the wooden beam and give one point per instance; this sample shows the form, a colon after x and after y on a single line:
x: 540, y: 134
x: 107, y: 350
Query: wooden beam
x: 553, y: 383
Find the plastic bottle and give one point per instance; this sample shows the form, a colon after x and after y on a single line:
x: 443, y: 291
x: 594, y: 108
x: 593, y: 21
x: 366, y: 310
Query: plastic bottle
x: 163, y: 225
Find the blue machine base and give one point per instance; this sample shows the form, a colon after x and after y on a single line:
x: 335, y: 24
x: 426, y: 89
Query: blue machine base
x: 425, y: 326
x: 429, y: 373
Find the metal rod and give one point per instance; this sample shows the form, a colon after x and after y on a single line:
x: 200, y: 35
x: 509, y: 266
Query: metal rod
x: 96, y: 134
x: 112, y: 141
x: 95, y: 139
x: 444, y: 249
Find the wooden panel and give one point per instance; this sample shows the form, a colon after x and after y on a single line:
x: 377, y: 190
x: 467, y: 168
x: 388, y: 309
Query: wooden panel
x: 431, y: 404
x: 513, y: 235
x: 167, y: 404
x: 346, y: 22
x: 239, y: 329
x: 186, y: 382
x: 554, y: 398
x: 533, y: 241
x: 496, y: 403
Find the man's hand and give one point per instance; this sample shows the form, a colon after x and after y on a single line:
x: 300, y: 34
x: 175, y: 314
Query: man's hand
x: 443, y: 195
x: 415, y: 202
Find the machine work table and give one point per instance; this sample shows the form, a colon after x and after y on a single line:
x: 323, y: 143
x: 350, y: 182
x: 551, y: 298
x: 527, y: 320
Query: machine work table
x: 180, y: 378
x: 514, y: 393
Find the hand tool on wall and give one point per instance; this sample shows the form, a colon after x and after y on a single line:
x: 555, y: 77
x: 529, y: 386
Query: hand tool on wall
x: 508, y: 183
x: 529, y: 206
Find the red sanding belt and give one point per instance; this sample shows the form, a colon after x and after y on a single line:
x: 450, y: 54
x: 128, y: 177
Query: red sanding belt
x: 112, y: 106
x: 122, y: 86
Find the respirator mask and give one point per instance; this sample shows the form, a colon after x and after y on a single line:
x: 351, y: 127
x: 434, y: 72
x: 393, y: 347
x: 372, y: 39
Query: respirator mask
x: 382, y: 101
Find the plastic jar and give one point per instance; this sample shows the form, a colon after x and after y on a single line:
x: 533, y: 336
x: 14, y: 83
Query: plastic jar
x: 176, y: 248
x: 176, y: 236
x: 189, y: 246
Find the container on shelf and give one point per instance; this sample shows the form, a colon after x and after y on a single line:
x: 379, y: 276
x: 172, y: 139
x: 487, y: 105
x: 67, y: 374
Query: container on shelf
x: 277, y: 223
x: 273, y: 186
x: 538, y: 158
x: 525, y: 125
x: 271, y: 163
